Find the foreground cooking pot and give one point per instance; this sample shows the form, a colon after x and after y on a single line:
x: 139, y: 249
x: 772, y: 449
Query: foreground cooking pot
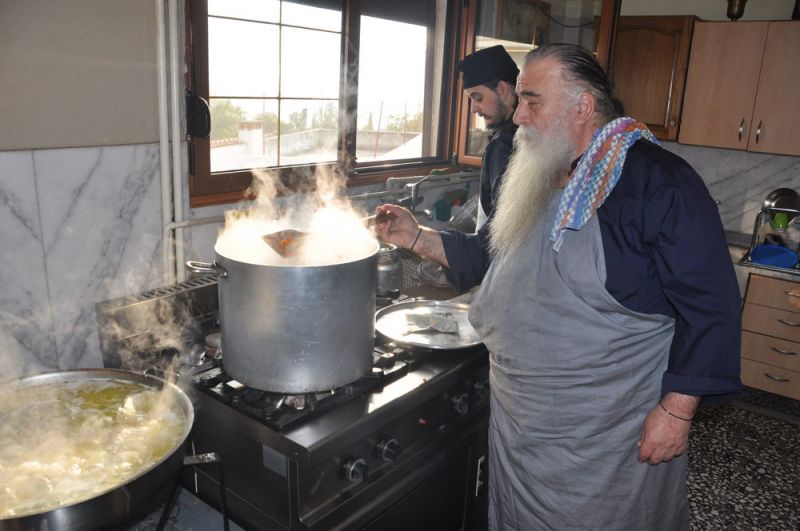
x: 122, y: 503
x: 296, y: 329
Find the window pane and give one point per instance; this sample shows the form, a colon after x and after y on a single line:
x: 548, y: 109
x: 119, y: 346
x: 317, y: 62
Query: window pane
x: 527, y: 22
x: 242, y: 58
x: 309, y: 131
x: 264, y: 10
x: 309, y: 64
x: 391, y: 114
x: 311, y: 17
x: 243, y: 134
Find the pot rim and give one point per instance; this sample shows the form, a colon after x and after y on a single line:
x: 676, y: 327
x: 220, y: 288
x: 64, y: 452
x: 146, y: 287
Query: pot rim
x: 374, y: 252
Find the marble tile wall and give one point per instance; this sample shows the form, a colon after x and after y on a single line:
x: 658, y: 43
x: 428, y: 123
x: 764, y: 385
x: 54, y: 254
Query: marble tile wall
x: 82, y: 225
x: 78, y: 226
x: 740, y: 180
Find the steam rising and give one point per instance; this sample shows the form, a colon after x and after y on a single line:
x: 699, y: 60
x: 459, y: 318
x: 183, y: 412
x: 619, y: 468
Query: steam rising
x: 336, y: 232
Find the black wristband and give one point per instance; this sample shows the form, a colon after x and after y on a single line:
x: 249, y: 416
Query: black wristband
x: 671, y: 414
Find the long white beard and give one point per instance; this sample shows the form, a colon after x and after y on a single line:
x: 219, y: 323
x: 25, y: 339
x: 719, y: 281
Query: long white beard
x: 537, y: 164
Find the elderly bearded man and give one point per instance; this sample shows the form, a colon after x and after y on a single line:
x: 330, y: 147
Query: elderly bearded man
x: 609, y: 309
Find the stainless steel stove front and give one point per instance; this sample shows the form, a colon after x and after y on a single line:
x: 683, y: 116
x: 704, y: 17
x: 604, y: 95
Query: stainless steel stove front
x: 414, y: 462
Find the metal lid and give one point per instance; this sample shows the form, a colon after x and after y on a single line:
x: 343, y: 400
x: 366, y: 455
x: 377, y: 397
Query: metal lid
x: 400, y: 324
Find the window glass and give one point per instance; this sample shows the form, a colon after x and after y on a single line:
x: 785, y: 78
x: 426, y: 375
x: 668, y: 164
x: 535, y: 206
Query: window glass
x: 309, y: 63
x: 244, y: 133
x: 309, y: 131
x: 263, y: 10
x: 399, y: 87
x: 391, y: 89
x: 273, y: 88
x: 235, y: 69
x: 311, y: 17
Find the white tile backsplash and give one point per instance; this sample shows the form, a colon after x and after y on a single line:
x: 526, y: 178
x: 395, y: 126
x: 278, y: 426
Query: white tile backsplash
x: 740, y: 180
x: 96, y: 216
x: 27, y: 339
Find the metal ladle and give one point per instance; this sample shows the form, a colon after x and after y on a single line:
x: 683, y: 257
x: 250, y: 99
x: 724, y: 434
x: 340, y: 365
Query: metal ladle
x: 288, y: 242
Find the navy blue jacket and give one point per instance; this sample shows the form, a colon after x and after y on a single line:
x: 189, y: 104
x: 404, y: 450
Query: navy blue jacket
x: 665, y: 253
x: 494, y: 163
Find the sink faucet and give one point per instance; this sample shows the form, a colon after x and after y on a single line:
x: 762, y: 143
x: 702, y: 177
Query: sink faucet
x: 415, y: 192
x: 416, y: 198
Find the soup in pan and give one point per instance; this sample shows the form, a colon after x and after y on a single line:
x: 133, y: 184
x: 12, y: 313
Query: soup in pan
x: 65, y: 442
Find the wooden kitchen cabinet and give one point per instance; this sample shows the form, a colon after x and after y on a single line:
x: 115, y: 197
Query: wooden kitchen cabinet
x: 771, y: 336
x: 651, y: 54
x: 742, y: 87
x: 776, y: 118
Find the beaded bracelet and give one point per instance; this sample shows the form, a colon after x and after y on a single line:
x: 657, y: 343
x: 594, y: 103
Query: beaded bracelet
x: 415, y: 240
x: 673, y: 414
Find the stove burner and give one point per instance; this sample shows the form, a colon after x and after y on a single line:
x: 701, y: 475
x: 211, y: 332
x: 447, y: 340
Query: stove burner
x: 281, y: 411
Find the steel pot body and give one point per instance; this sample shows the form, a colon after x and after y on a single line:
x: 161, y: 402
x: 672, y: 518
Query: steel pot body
x: 126, y: 501
x: 388, y: 282
x: 296, y: 329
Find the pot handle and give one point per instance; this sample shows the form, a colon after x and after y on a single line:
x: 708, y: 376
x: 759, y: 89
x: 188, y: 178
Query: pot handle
x: 206, y: 267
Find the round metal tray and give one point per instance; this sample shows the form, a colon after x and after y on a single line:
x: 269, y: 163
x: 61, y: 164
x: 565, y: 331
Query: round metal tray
x: 392, y: 322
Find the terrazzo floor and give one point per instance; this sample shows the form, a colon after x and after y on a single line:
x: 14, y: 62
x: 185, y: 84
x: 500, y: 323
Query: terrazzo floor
x: 744, y: 465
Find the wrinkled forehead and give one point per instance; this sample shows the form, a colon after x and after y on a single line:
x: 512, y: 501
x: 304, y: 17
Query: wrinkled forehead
x: 539, y: 77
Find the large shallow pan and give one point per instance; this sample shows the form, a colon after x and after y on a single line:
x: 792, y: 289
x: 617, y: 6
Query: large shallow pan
x: 436, y: 325
x: 123, y: 502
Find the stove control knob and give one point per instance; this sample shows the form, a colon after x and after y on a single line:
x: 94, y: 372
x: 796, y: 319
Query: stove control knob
x: 388, y: 449
x: 355, y: 470
x: 460, y: 403
x: 482, y: 388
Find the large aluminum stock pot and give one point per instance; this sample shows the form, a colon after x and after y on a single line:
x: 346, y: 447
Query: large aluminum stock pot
x: 295, y: 329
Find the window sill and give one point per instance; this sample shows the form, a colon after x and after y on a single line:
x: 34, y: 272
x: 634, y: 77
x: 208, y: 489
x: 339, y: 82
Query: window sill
x: 360, y: 177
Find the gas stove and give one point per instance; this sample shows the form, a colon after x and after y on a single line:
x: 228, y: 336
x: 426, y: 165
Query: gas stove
x: 281, y: 411
x: 402, y: 447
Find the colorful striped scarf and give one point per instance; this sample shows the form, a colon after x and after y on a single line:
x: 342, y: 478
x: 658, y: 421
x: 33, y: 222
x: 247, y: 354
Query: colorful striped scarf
x: 596, y: 175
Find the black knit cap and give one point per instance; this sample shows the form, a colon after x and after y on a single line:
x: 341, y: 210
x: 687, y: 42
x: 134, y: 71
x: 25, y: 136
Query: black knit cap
x: 488, y: 64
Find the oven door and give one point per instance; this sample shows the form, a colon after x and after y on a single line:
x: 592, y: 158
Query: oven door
x: 442, y: 490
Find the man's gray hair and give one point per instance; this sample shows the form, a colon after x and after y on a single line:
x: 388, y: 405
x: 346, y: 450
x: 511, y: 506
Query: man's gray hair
x: 581, y: 68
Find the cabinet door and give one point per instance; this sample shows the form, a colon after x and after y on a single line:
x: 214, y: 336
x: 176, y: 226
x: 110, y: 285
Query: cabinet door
x: 776, y: 119
x: 721, y: 83
x: 649, y: 68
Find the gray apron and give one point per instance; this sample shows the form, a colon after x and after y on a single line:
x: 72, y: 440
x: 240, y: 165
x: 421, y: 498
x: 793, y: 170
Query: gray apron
x: 573, y: 375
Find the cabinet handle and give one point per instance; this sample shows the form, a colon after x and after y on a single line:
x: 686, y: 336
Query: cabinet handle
x: 789, y: 293
x: 758, y: 131
x: 784, y: 352
x: 741, y: 130
x: 788, y: 323
x: 776, y: 378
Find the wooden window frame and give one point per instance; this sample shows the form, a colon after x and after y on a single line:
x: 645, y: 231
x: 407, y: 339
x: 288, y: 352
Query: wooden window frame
x: 225, y: 187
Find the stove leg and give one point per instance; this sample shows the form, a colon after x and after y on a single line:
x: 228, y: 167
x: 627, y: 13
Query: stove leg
x: 222, y: 504
x: 205, y: 459
x: 173, y: 497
